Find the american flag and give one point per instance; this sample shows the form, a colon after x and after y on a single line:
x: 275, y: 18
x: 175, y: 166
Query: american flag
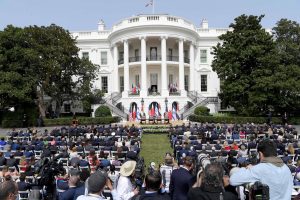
x: 150, y: 3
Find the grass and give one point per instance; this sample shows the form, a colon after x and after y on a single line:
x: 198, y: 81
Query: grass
x: 154, y: 147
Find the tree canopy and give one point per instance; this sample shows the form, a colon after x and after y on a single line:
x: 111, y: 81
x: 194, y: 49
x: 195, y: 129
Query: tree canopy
x: 253, y: 77
x: 42, y: 61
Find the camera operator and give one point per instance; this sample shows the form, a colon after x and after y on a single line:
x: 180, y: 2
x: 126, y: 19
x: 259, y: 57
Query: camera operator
x: 270, y: 171
x: 211, y: 185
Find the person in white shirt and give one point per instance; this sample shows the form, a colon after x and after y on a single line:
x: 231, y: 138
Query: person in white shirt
x: 125, y: 187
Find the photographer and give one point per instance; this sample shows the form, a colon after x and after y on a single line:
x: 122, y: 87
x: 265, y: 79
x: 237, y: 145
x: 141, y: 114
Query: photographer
x: 211, y: 185
x: 270, y: 171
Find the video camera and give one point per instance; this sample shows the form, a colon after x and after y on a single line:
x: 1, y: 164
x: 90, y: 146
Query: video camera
x: 259, y: 191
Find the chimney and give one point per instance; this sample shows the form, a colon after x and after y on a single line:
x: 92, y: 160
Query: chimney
x: 101, y: 25
x: 204, y: 24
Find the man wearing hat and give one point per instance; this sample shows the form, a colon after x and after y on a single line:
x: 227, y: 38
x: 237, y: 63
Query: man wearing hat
x: 96, y: 183
x: 125, y: 187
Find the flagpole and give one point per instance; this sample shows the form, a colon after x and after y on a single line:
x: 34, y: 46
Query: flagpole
x: 152, y: 7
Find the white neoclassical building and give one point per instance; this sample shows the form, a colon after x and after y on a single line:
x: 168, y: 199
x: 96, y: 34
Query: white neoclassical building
x: 158, y: 62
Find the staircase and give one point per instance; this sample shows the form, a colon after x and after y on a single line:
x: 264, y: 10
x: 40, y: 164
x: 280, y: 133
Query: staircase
x: 111, y: 101
x: 197, y: 100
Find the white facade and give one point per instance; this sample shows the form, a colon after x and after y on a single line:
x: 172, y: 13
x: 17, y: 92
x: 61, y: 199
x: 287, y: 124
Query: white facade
x: 153, y: 58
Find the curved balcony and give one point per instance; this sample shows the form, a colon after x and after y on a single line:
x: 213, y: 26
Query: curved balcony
x: 135, y: 59
x: 154, y: 58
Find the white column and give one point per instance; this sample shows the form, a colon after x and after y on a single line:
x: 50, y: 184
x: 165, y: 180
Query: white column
x: 192, y: 67
x: 181, y: 67
x: 126, y: 69
x: 116, y: 70
x: 143, y: 67
x: 164, y: 88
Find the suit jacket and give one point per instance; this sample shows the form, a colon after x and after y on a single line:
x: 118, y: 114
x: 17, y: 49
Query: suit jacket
x: 181, y: 182
x: 154, y: 196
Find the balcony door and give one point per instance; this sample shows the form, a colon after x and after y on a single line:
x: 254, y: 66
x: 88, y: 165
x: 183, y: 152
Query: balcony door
x: 153, y: 53
x: 153, y: 82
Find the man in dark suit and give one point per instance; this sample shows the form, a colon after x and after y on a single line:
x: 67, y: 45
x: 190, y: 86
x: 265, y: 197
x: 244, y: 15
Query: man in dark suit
x: 153, y: 183
x: 182, y: 180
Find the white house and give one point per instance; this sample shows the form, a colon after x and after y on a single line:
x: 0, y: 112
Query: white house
x: 158, y: 62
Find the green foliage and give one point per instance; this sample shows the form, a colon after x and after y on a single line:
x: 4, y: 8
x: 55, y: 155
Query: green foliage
x: 38, y: 61
x: 232, y: 120
x: 15, y: 119
x: 245, y: 63
x: 16, y: 80
x: 6, y: 123
x: 102, y: 111
x: 94, y: 97
x: 81, y: 120
x: 287, y: 75
x: 201, y: 110
x: 259, y: 73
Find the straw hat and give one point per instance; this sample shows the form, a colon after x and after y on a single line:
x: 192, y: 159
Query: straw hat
x: 127, y: 168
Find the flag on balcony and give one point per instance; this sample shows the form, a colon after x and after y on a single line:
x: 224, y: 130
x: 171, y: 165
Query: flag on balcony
x: 174, y: 114
x: 130, y: 114
x: 149, y: 4
x: 138, y: 114
x: 152, y: 110
x: 156, y: 111
x: 133, y: 113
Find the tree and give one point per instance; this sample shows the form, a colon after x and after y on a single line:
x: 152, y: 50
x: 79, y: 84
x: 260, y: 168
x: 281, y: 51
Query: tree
x: 59, y: 72
x: 245, y: 62
x: 287, y: 76
x: 16, y: 82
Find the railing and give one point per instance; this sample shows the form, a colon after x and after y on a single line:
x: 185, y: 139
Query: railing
x: 135, y: 59
x: 115, y: 97
x: 187, y: 110
x: 174, y: 93
x: 111, y: 101
x: 150, y: 93
x: 173, y: 58
x: 131, y: 93
x: 153, y: 58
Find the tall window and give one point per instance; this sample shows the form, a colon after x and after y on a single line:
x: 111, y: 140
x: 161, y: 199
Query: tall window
x: 170, y: 79
x: 104, y: 85
x: 85, y: 55
x: 204, y: 83
x: 121, y: 83
x: 67, y: 107
x: 136, y: 53
x: 203, y: 56
x: 186, y: 82
x: 170, y: 55
x: 103, y: 57
x: 137, y: 80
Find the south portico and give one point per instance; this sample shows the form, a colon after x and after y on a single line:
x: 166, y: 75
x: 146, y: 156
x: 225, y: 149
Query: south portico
x: 150, y: 64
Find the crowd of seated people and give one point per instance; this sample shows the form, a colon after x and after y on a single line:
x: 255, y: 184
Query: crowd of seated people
x: 85, y: 150
x: 235, y: 145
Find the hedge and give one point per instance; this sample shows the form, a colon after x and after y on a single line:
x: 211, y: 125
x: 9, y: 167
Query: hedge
x: 102, y: 111
x: 81, y: 120
x: 232, y: 120
x: 201, y: 110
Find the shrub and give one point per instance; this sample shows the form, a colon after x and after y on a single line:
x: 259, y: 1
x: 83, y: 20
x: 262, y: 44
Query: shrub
x: 232, y: 120
x: 102, y: 111
x: 201, y: 110
x: 81, y: 120
x: 10, y: 123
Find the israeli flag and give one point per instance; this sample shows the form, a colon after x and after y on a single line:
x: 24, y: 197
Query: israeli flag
x: 138, y: 114
x: 174, y: 116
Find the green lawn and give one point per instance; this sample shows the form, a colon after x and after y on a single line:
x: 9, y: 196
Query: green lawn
x: 154, y: 147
